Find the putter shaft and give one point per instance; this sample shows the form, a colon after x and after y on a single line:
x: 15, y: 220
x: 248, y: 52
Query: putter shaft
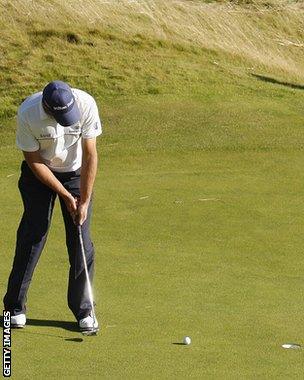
x: 90, y: 291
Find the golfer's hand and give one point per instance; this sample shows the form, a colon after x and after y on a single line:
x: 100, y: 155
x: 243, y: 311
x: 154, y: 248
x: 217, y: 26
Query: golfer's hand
x: 82, y: 213
x: 71, y: 205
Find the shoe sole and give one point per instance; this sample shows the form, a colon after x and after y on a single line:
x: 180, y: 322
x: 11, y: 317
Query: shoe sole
x: 88, y: 329
x: 13, y: 326
x: 90, y: 332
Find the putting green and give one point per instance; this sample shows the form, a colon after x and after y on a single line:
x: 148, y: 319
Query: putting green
x: 198, y: 221
x: 189, y: 241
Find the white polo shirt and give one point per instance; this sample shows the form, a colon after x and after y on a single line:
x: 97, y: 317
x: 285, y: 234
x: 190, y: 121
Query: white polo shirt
x: 60, y: 147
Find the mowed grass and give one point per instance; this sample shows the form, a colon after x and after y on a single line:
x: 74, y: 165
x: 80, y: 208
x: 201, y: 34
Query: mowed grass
x: 197, y: 216
x: 189, y: 241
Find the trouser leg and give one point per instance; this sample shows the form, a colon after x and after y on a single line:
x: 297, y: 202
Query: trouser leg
x: 78, y: 298
x: 38, y: 201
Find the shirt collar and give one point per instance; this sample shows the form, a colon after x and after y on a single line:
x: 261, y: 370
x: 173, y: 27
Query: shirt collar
x: 43, y: 114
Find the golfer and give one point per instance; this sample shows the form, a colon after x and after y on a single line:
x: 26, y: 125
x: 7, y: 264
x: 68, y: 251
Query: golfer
x: 57, y: 130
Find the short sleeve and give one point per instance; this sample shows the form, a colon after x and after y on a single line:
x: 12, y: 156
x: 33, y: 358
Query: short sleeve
x: 24, y: 138
x: 92, y: 125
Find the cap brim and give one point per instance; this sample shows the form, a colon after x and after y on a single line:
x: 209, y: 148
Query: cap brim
x: 69, y: 118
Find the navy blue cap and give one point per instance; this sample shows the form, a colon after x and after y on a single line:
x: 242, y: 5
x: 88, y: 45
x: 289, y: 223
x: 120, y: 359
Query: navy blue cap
x: 59, y: 101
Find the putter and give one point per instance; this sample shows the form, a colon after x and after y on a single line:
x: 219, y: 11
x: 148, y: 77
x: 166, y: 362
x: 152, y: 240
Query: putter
x: 94, y: 330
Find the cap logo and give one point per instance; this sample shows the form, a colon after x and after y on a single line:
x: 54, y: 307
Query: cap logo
x: 59, y: 108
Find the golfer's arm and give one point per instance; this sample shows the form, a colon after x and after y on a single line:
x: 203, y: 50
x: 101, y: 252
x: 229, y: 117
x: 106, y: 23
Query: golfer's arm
x: 44, y: 174
x: 88, y: 169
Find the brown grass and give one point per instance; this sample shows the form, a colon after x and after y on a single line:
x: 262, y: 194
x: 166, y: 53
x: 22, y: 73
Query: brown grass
x: 268, y: 34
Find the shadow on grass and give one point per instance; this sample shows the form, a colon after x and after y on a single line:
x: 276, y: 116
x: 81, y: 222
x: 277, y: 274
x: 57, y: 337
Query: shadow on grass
x: 275, y: 81
x: 66, y: 325
x: 69, y: 326
x: 78, y: 340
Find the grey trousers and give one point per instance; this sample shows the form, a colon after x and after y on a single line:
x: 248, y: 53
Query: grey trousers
x: 38, y: 201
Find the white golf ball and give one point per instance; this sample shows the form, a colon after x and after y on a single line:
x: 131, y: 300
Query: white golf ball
x: 187, y: 340
x: 293, y: 346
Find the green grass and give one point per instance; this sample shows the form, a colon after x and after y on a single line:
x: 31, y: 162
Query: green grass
x: 197, y: 223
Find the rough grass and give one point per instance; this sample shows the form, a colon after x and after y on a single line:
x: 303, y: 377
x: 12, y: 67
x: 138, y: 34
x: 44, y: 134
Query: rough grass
x: 129, y: 46
x: 268, y: 35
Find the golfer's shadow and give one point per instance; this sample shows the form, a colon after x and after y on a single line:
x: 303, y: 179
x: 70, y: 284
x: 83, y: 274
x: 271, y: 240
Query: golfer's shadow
x: 66, y: 325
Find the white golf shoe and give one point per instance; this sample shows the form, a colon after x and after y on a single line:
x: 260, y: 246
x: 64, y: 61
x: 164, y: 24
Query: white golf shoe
x: 18, y: 321
x: 88, y: 323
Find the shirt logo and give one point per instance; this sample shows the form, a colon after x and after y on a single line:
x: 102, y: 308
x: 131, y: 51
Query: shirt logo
x: 74, y: 128
x: 46, y: 135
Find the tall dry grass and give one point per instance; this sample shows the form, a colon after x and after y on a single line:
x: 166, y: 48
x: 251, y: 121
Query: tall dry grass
x: 268, y: 35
